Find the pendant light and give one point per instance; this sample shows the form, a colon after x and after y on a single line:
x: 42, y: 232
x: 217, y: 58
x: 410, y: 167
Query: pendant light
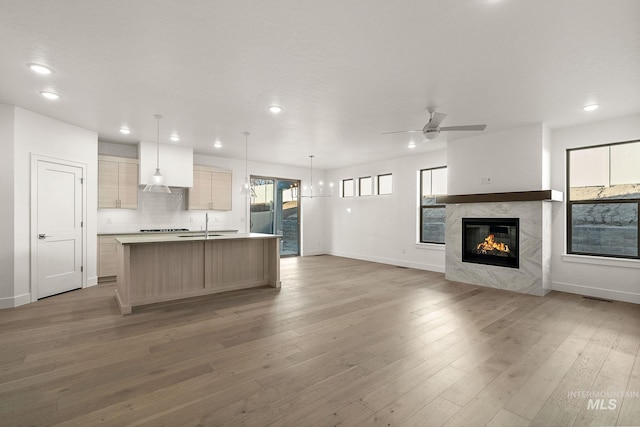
x: 310, y: 195
x: 247, y: 188
x: 156, y: 182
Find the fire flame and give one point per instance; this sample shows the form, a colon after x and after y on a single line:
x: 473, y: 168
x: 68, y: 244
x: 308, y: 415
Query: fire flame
x: 491, y: 245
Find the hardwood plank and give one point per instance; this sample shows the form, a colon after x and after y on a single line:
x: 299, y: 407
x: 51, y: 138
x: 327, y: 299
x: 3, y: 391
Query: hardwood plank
x: 564, y: 404
x: 630, y: 406
x: 435, y: 414
x: 424, y: 391
x: 611, y: 381
x: 505, y: 418
x: 344, y: 342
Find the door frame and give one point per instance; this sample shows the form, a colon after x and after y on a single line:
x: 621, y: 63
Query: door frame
x: 275, y: 188
x: 33, y: 225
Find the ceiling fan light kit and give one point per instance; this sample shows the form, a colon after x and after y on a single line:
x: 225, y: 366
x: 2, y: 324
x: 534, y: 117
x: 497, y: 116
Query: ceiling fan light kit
x: 432, y: 129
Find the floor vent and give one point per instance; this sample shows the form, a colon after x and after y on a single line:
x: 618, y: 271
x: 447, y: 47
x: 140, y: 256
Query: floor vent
x: 598, y: 299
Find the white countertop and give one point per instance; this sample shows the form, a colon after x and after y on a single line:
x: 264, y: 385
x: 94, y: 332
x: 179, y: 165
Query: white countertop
x: 189, y: 237
x: 156, y: 233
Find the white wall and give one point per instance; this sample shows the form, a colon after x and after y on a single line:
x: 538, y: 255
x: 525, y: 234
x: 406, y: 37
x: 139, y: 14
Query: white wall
x: 6, y: 213
x: 312, y: 213
x: 383, y: 228
x: 514, y: 160
x: 596, y: 276
x: 37, y: 134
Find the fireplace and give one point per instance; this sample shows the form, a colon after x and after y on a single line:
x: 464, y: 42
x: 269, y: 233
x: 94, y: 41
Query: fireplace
x: 491, y: 241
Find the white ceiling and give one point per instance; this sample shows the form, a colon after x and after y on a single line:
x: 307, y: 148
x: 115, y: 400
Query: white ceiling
x: 343, y: 70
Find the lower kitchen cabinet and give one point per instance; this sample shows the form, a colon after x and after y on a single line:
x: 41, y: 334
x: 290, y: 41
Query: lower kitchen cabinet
x: 107, y: 258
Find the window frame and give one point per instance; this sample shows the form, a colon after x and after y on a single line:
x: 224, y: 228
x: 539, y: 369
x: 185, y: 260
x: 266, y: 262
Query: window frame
x: 378, y: 193
x: 342, y: 187
x: 570, y: 203
x: 421, y: 207
x: 370, y: 178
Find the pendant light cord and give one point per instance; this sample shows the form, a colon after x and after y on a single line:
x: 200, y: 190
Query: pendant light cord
x: 246, y: 155
x: 158, y: 117
x: 311, y: 174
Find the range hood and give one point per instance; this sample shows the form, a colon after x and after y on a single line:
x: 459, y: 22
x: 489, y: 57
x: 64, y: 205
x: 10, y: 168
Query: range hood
x: 176, y: 163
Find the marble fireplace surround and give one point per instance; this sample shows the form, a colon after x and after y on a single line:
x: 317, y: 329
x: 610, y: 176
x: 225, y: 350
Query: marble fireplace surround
x: 533, y: 208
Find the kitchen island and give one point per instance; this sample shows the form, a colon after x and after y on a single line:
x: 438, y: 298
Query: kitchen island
x: 161, y: 268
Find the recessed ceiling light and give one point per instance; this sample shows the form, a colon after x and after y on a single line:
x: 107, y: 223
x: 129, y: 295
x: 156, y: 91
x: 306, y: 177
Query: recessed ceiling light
x: 590, y: 107
x: 40, y: 69
x: 217, y: 144
x: 125, y: 130
x: 412, y: 144
x: 174, y: 138
x: 275, y: 109
x: 49, y: 95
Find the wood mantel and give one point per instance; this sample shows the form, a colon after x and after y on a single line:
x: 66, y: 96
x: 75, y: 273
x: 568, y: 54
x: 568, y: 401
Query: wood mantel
x: 511, y: 196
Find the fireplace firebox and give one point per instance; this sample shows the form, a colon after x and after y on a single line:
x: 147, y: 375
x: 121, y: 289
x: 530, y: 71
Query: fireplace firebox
x: 491, y: 241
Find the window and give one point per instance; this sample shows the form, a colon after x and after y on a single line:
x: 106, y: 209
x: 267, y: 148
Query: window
x: 432, y: 216
x: 604, y: 200
x: 365, y: 186
x: 385, y: 183
x: 347, y: 187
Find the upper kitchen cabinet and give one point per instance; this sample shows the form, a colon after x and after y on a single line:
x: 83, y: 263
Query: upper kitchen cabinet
x: 117, y: 182
x: 211, y: 189
x: 176, y: 163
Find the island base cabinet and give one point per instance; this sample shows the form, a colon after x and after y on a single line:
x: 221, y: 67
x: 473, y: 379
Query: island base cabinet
x: 165, y: 271
x: 235, y: 264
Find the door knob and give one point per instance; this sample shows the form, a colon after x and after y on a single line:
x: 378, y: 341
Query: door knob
x: 42, y: 236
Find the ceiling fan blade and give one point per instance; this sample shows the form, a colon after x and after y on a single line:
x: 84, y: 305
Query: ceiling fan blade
x: 401, y: 131
x: 436, y: 119
x: 468, y: 127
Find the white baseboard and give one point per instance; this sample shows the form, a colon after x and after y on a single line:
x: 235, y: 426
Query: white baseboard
x: 390, y: 261
x: 596, y: 292
x: 314, y: 253
x: 16, y: 301
x: 92, y: 281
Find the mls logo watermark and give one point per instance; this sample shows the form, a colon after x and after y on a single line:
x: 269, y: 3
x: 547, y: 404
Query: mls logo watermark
x: 601, y: 404
x: 603, y: 400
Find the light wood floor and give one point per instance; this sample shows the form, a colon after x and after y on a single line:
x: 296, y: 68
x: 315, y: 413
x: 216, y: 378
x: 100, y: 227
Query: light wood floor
x: 344, y: 342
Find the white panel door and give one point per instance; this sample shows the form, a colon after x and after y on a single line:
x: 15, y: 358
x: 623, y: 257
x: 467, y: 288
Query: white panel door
x: 59, y: 228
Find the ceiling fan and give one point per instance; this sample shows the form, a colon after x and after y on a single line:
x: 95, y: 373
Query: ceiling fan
x: 432, y: 129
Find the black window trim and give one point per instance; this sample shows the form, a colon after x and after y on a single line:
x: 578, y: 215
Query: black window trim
x: 378, y: 184
x: 360, y: 186
x: 570, y: 204
x: 421, y: 208
x: 352, y: 184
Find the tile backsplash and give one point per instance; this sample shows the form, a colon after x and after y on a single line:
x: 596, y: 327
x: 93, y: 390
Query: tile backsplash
x: 161, y: 210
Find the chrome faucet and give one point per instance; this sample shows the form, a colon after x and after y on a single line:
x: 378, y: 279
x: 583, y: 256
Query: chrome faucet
x: 206, y: 225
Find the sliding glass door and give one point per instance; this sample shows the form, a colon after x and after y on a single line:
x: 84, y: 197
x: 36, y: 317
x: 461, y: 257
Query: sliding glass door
x: 276, y: 210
